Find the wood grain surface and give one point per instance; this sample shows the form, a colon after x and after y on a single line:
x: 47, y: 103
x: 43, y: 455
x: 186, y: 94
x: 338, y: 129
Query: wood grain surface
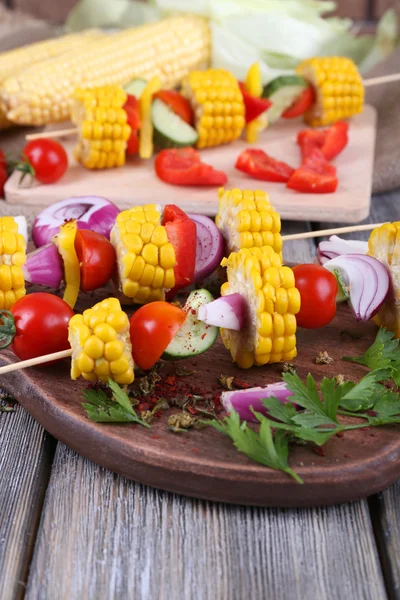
x: 138, y: 184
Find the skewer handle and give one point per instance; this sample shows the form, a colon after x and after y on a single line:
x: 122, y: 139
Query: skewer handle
x: 52, y: 134
x: 322, y: 232
x: 382, y: 79
x: 32, y: 362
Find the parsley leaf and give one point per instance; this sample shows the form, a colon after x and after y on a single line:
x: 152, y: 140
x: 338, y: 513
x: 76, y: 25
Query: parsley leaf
x: 118, y: 409
x: 384, y: 353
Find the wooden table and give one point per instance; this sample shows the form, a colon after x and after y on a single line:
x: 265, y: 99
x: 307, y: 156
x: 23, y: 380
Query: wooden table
x: 71, y: 530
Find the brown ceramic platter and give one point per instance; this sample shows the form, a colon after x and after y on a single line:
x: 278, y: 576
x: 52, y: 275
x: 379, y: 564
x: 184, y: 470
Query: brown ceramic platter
x: 204, y: 463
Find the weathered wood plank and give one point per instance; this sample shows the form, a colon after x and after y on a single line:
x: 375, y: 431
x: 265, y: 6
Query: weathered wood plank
x: 354, y: 9
x: 25, y: 456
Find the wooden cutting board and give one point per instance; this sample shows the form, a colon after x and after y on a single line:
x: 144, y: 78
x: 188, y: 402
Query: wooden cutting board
x: 204, y: 463
x: 136, y: 182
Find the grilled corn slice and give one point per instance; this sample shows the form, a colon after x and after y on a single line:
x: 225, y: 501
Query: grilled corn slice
x: 12, y: 259
x: 384, y: 244
x: 103, y: 129
x: 273, y: 300
x: 169, y: 48
x: 218, y: 106
x: 146, y: 259
x: 246, y: 218
x: 100, y: 342
x: 339, y: 89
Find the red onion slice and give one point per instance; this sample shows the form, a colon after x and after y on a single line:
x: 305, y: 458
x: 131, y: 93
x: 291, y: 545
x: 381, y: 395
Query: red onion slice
x: 44, y: 266
x: 243, y: 400
x: 229, y: 312
x: 210, y: 246
x: 367, y: 280
x: 90, y: 212
x: 337, y: 246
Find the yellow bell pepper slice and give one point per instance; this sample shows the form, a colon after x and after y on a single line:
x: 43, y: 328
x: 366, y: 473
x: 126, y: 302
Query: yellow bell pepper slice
x: 253, y: 83
x: 65, y: 242
x: 146, y: 130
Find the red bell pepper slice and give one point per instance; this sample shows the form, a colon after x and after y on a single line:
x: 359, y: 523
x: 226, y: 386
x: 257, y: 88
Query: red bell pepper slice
x: 183, y: 166
x: 131, y: 108
x: 301, y: 104
x: 315, y: 176
x: 330, y: 141
x: 182, y: 233
x: 177, y: 103
x: 260, y: 165
x: 254, y: 107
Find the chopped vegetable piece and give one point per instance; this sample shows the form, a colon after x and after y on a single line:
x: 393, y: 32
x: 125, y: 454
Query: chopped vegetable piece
x: 65, y: 242
x: 244, y: 402
x: 170, y: 131
x: 183, y: 166
x: 96, y: 257
x: 318, y: 289
x: 253, y: 83
x: 145, y: 103
x: 229, y: 312
x: 282, y: 92
x: 131, y: 108
x: 301, y: 104
x: 260, y: 165
x: 254, y: 107
x: 336, y: 139
x: 315, y: 176
x: 178, y: 104
x: 337, y: 246
x: 44, y: 266
x: 181, y: 232
x: 210, y: 246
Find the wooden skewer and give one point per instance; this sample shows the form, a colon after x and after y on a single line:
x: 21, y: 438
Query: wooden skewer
x: 74, y: 130
x: 33, y: 362
x: 337, y: 230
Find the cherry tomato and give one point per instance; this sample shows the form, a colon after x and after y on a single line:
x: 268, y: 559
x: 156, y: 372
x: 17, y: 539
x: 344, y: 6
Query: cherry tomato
x: 153, y: 327
x: 177, y: 103
x: 45, y: 159
x: 97, y: 259
x: 318, y: 289
x: 301, y: 105
x: 41, y: 322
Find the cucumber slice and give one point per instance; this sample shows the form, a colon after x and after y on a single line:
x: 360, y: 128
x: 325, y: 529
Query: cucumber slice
x: 170, y: 131
x: 136, y: 87
x: 342, y: 293
x: 282, y: 92
x: 194, y: 337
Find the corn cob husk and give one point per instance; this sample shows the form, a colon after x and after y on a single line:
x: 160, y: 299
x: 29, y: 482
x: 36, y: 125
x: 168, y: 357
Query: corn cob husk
x: 169, y: 49
x: 12, y: 260
x: 273, y: 300
x: 384, y: 245
x: 100, y: 343
x: 246, y: 218
x: 339, y: 89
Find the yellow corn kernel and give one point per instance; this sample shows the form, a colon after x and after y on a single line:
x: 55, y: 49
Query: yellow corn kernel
x: 119, y: 366
x: 113, y: 350
x: 130, y: 288
x: 118, y: 321
x: 167, y: 256
x: 85, y: 363
x: 9, y: 299
x: 148, y: 275
x: 124, y: 378
x: 105, y: 332
x: 150, y: 254
x: 133, y: 242
x: 94, y: 347
x: 169, y: 279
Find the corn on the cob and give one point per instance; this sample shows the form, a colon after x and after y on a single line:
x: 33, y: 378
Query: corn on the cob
x: 100, y: 343
x: 246, y: 218
x: 103, y: 130
x: 339, y: 89
x: 146, y: 259
x: 12, y: 259
x: 273, y: 300
x: 218, y: 106
x: 169, y: 48
x: 384, y: 244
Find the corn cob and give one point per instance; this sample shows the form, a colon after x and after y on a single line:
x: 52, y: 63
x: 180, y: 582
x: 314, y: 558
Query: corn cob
x: 146, y: 259
x: 384, y: 244
x: 246, y: 218
x: 339, y: 89
x: 273, y: 300
x: 218, y: 106
x: 169, y: 48
x: 103, y: 130
x: 12, y: 259
x: 101, y: 345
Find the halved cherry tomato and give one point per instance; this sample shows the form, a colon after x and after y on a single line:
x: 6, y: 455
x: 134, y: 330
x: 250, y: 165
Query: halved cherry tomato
x: 254, y: 107
x: 97, y: 259
x: 260, y: 165
x: 182, y: 233
x: 45, y: 159
x: 41, y: 322
x: 152, y: 328
x: 301, y: 104
x: 177, y: 103
x: 183, y: 166
x: 318, y: 289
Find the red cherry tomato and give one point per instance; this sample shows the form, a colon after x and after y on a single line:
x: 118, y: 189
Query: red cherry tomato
x: 97, y: 259
x: 301, y: 105
x: 153, y: 327
x: 46, y: 158
x: 177, y: 103
x: 41, y: 322
x: 318, y: 289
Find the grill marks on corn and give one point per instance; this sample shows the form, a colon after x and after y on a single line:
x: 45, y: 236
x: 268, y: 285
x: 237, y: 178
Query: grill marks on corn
x: 100, y: 342
x: 339, y: 88
x: 146, y: 259
x: 103, y: 129
x: 258, y: 275
x: 218, y: 106
x: 12, y: 260
x: 247, y: 219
